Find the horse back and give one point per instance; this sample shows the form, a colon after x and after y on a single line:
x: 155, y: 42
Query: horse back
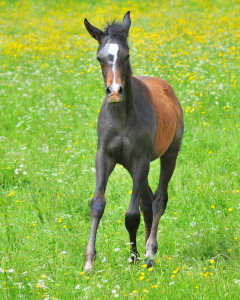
x: 168, y: 112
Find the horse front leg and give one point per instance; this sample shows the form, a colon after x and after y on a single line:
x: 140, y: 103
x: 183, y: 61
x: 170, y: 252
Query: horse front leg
x: 104, y: 167
x: 139, y: 175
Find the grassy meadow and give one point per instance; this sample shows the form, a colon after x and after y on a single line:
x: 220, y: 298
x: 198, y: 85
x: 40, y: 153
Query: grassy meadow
x: 51, y: 90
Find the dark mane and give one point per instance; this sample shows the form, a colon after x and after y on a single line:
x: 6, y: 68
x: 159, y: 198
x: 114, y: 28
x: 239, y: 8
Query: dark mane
x: 115, y: 29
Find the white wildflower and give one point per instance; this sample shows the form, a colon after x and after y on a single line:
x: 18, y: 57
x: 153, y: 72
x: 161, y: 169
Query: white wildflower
x: 77, y: 287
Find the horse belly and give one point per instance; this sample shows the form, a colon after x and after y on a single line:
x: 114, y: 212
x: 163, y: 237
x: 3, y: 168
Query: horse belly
x: 168, y: 112
x: 165, y: 131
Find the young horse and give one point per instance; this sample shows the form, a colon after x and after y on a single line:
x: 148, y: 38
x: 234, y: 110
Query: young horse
x: 140, y: 121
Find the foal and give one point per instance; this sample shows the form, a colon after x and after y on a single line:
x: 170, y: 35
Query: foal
x: 140, y: 121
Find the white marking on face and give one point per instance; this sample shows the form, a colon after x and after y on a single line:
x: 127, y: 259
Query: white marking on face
x: 112, y: 49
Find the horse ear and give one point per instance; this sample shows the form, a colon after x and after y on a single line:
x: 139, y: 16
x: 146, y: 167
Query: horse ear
x: 126, y: 23
x: 94, y: 31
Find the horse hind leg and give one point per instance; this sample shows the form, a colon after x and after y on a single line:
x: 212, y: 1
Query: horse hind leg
x: 168, y: 163
x: 146, y: 209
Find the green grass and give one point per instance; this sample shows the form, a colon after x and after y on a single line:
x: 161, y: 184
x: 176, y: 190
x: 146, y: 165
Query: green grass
x: 51, y: 90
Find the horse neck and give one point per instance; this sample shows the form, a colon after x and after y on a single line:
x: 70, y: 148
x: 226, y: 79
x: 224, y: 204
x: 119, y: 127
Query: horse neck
x: 128, y: 94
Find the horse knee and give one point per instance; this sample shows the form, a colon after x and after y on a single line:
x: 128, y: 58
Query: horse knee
x: 132, y: 220
x: 97, y: 206
x: 160, y: 203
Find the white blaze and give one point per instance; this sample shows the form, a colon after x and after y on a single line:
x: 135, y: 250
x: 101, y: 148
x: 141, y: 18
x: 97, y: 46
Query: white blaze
x: 113, y: 50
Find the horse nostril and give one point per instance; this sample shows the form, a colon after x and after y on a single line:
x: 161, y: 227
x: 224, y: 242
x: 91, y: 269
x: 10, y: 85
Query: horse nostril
x: 108, y: 90
x: 120, y: 91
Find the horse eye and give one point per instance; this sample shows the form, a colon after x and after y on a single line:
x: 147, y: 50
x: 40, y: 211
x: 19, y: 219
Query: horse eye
x: 127, y: 57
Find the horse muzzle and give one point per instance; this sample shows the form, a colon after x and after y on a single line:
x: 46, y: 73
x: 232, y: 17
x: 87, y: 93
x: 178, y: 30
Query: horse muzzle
x: 114, y: 92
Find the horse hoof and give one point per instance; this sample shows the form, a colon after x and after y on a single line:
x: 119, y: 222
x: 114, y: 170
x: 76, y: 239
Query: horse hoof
x: 150, y: 263
x: 88, y: 267
x: 133, y: 259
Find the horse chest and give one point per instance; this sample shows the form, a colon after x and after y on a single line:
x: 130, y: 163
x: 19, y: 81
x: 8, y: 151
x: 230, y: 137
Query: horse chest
x: 119, y: 145
x: 123, y: 148
x: 126, y: 137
